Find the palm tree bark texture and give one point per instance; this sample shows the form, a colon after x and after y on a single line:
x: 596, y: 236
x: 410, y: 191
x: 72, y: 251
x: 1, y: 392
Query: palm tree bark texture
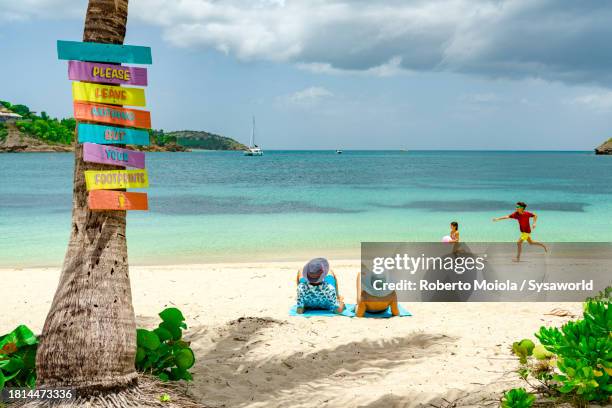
x: 89, y: 337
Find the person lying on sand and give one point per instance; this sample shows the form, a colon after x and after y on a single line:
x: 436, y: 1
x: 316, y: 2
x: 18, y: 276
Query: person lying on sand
x: 316, y: 289
x: 523, y: 217
x: 374, y: 301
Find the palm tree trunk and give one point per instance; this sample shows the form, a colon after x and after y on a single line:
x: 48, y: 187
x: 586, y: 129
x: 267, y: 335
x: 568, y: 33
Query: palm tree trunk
x: 89, y: 337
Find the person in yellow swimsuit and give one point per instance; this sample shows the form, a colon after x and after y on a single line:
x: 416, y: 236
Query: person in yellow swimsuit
x: 374, y: 303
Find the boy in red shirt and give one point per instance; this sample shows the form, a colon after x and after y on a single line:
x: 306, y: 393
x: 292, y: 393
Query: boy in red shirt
x: 523, y: 217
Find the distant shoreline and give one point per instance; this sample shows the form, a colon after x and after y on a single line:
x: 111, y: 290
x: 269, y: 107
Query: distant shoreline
x: 155, y: 149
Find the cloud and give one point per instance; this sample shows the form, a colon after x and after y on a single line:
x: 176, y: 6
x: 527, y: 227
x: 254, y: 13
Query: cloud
x: 598, y: 102
x: 390, y: 68
x: 308, y: 96
x: 555, y: 40
x: 20, y: 10
x: 480, y: 98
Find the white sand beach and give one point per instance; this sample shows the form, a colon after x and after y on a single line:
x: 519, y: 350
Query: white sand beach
x: 250, y: 353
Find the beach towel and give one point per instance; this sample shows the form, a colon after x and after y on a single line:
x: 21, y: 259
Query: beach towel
x: 324, y: 313
x: 382, y: 315
x: 349, y: 311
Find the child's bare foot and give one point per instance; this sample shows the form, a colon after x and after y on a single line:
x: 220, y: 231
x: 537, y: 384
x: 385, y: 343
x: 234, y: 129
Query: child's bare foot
x: 516, y: 259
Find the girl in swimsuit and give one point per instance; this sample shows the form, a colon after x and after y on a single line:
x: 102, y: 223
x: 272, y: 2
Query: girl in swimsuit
x: 454, y: 231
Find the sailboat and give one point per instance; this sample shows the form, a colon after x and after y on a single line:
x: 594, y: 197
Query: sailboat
x: 253, y: 149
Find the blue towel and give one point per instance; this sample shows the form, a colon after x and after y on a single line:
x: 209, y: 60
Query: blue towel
x: 326, y: 313
x: 382, y: 315
x: 349, y: 311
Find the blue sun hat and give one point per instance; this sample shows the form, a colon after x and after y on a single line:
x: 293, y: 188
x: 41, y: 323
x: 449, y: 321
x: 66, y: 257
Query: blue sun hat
x: 315, y: 270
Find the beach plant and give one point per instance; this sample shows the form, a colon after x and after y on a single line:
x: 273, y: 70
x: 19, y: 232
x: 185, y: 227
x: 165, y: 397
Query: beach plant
x: 584, y: 353
x: 603, y: 296
x: 162, y: 351
x: 17, y: 358
x: 574, y: 362
x: 517, y: 398
x: 523, y: 349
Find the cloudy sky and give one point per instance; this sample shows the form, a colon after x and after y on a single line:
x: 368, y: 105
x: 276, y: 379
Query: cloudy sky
x: 380, y: 74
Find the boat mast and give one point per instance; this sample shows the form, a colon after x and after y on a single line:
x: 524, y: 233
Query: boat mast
x: 253, y: 133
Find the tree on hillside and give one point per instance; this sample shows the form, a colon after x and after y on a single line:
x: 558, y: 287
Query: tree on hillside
x: 89, y: 337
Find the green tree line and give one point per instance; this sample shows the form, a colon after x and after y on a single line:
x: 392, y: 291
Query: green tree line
x: 42, y: 126
x: 3, y: 131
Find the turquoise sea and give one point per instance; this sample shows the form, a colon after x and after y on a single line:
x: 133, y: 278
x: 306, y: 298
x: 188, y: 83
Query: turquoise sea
x: 221, y: 206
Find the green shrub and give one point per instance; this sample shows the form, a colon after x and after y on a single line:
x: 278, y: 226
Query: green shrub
x: 584, y: 353
x: 162, y: 352
x: 517, y: 398
x: 603, y: 296
x: 51, y: 130
x: 18, y: 358
x: 573, y: 362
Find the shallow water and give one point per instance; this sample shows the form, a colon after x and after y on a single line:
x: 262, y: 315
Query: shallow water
x: 221, y: 206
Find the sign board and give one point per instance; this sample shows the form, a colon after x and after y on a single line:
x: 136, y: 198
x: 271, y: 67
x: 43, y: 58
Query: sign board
x: 117, y: 200
x: 114, y: 95
x: 106, y: 73
x: 102, y: 134
x: 96, y: 153
x: 91, y: 51
x: 115, y: 179
x: 113, y: 115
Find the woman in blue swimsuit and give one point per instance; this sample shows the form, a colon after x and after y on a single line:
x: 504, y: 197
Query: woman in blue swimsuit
x: 317, y: 288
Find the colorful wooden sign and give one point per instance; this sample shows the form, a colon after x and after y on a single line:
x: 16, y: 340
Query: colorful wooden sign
x: 91, y: 51
x: 112, y: 115
x: 106, y: 73
x: 103, y: 134
x: 96, y: 153
x: 115, y: 179
x: 115, y: 95
x: 117, y: 200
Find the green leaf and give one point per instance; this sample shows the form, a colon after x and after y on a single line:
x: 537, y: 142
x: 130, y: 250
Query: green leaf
x: 147, y: 339
x: 29, y: 359
x: 185, y: 359
x: 527, y: 345
x: 163, y: 334
x: 163, y: 376
x: 173, y: 316
x: 10, y: 377
x: 31, y: 380
x: 25, y: 337
x: 14, y: 364
x: 182, y: 344
x: 140, y: 354
x: 176, y: 331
